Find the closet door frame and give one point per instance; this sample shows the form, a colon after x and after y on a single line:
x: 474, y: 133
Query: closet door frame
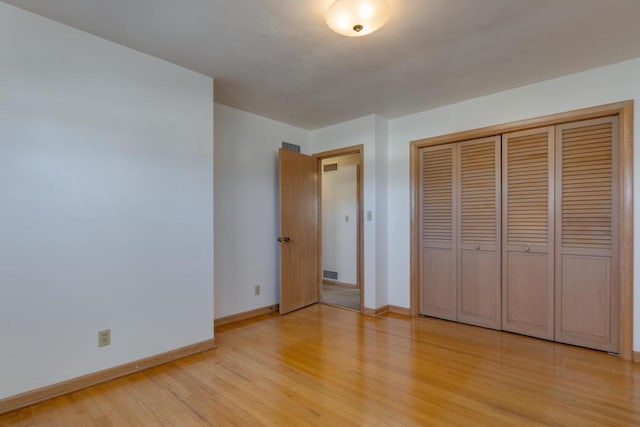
x: 624, y: 267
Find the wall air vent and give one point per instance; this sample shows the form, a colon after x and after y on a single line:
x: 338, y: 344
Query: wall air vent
x: 291, y: 147
x: 330, y: 167
x: 330, y: 274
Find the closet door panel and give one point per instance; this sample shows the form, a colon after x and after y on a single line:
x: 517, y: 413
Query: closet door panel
x: 478, y: 224
x: 438, y: 292
x: 527, y: 305
x: 528, y: 232
x: 479, y: 292
x: 437, y: 230
x: 585, y: 297
x: 586, y: 196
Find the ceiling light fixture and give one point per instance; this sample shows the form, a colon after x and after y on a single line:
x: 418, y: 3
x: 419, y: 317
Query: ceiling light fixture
x: 357, y: 18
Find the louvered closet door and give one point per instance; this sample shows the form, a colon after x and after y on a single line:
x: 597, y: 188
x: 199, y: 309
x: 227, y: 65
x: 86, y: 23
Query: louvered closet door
x: 528, y: 230
x: 437, y: 231
x: 586, y: 286
x: 478, y: 224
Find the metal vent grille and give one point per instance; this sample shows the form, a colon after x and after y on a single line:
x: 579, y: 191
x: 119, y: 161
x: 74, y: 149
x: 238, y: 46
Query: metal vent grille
x: 291, y: 147
x: 330, y: 274
x: 330, y: 167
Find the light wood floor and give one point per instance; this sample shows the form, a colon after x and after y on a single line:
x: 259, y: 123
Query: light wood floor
x: 323, y: 366
x: 340, y: 296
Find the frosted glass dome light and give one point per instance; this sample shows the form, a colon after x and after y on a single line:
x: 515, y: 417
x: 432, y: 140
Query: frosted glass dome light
x: 357, y: 18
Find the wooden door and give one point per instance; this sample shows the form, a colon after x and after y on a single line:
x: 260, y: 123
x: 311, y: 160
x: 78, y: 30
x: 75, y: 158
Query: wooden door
x: 437, y: 194
x: 528, y: 232
x: 478, y: 232
x: 299, y: 231
x: 586, y: 242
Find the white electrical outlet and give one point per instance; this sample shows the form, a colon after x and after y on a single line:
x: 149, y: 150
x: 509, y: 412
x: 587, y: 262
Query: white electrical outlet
x: 104, y: 338
x: 257, y: 290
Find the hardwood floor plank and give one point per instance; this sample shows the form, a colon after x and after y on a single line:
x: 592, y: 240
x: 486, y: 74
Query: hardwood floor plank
x: 322, y: 366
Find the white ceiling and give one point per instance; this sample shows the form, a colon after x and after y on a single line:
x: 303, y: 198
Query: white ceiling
x: 278, y: 59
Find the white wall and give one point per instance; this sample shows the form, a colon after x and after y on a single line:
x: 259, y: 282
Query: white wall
x: 246, y: 199
x: 382, y: 206
x: 604, y: 85
x: 340, y: 218
x: 106, y: 203
x: 356, y: 132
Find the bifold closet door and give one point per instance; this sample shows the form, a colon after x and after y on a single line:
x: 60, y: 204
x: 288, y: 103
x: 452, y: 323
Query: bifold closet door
x: 437, y: 195
x: 528, y: 232
x: 459, y: 199
x: 586, y: 238
x: 478, y: 231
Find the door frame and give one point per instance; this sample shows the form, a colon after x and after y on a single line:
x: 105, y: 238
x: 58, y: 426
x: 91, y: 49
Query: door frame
x: 359, y: 150
x: 624, y: 111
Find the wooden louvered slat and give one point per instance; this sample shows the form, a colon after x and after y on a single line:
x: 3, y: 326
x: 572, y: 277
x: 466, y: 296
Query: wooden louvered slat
x: 478, y: 192
x: 528, y: 189
x: 437, y: 195
x: 587, y: 193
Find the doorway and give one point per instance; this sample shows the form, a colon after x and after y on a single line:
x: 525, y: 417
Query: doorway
x: 341, y: 229
x: 301, y: 237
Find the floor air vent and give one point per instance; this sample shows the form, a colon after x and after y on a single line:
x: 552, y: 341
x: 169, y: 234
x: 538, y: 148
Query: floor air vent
x: 330, y: 274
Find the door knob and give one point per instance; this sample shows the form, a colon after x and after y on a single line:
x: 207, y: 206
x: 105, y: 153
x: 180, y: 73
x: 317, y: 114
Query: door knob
x: 526, y: 249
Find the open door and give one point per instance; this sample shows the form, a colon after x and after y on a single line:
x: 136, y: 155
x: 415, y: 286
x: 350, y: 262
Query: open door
x: 299, y: 231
